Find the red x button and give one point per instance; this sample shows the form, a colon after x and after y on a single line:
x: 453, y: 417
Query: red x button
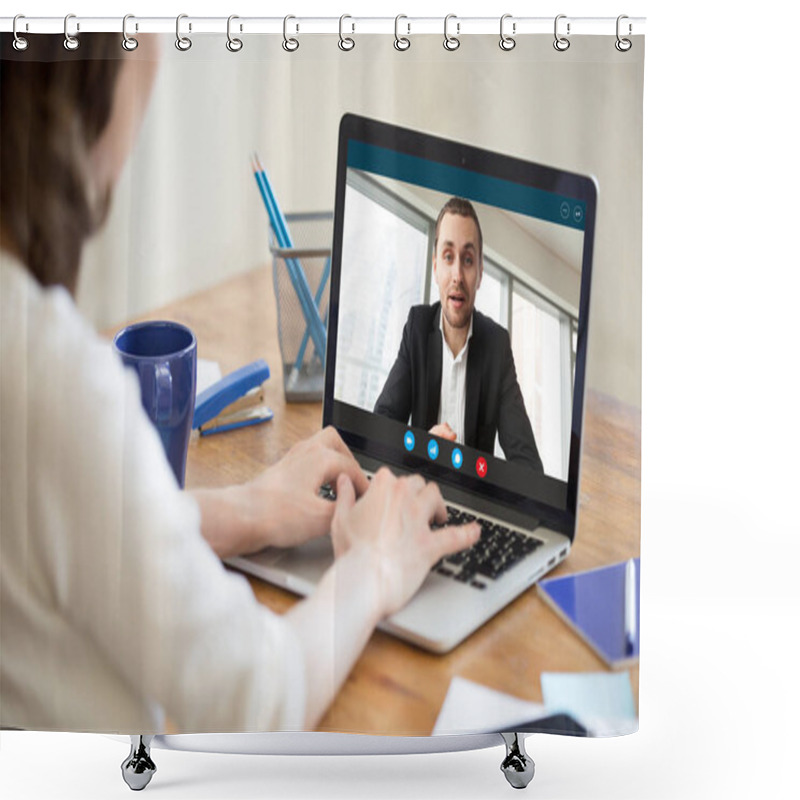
x: 481, y: 467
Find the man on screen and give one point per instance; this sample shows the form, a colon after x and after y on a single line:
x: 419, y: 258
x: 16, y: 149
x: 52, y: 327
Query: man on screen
x: 454, y: 374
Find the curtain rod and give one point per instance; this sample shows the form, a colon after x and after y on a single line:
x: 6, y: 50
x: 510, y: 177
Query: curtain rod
x: 402, y: 25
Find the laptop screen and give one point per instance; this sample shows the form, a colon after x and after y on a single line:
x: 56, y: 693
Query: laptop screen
x: 459, y: 297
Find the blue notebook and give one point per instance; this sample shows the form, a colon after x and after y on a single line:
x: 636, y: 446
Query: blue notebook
x: 593, y: 604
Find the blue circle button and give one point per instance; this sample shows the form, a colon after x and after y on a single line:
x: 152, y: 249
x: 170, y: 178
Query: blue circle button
x: 457, y: 458
x: 433, y: 449
x: 408, y: 441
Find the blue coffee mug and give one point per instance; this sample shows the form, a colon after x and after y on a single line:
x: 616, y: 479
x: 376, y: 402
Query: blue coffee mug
x: 164, y: 355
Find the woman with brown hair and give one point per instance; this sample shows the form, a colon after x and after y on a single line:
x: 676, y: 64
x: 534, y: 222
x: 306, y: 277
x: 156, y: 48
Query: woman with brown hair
x: 116, y: 611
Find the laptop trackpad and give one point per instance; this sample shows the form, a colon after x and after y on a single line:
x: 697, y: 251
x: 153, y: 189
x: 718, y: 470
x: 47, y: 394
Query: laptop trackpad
x: 306, y: 563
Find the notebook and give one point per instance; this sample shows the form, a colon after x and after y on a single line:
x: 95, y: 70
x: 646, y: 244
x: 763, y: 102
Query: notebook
x: 515, y: 462
x: 593, y: 604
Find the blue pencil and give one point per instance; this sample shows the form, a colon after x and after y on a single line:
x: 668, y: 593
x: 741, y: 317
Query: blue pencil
x: 283, y: 237
x: 296, y: 272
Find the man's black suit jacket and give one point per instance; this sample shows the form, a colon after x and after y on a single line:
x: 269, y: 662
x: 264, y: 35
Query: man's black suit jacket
x: 493, y: 402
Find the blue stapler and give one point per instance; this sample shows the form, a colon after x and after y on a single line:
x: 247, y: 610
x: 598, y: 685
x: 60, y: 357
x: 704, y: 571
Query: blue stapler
x: 233, y: 402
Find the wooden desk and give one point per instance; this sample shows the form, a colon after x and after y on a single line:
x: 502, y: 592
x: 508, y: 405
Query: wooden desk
x: 395, y: 687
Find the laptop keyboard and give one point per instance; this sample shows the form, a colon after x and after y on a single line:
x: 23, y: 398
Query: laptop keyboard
x: 327, y: 492
x: 498, y: 549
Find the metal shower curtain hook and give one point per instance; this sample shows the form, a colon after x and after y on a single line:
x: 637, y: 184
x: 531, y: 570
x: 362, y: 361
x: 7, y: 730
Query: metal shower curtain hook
x: 20, y: 42
x: 71, y: 42
x: 401, y: 42
x: 346, y: 42
x: 129, y: 43
x: 182, y: 42
x: 507, y: 42
x: 561, y: 43
x: 451, y: 42
x: 234, y: 45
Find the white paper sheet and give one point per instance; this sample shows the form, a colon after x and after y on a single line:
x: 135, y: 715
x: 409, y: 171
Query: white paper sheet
x: 472, y: 708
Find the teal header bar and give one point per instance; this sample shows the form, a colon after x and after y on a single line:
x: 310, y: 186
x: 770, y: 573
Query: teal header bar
x: 466, y: 183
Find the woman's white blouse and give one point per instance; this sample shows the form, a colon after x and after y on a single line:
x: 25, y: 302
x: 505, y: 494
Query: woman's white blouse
x: 114, y: 612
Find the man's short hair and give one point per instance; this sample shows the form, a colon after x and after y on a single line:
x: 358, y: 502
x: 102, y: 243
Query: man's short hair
x: 462, y: 207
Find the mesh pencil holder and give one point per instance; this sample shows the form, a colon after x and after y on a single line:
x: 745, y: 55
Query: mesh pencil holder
x: 300, y: 271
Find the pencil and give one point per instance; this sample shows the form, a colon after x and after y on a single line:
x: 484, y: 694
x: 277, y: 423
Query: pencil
x: 296, y: 272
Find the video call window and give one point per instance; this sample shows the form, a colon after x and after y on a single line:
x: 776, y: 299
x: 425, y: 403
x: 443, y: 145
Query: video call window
x: 388, y: 241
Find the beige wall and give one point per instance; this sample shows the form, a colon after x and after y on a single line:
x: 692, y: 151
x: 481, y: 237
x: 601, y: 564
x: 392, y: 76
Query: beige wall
x: 187, y: 213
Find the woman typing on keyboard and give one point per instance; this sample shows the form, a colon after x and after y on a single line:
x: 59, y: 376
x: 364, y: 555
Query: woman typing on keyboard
x: 117, y: 612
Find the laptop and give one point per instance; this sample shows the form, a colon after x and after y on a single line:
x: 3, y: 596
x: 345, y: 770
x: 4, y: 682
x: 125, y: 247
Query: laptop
x: 515, y: 463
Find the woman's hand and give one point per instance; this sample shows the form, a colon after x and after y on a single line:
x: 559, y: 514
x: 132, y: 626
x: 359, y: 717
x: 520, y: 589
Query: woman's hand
x: 390, y: 526
x: 282, y: 506
x: 285, y: 497
x: 384, y: 548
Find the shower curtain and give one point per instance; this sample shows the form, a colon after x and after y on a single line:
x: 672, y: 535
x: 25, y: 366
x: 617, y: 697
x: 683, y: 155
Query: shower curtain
x: 187, y: 236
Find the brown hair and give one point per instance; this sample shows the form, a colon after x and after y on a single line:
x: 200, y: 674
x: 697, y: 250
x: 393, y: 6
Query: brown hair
x: 462, y: 207
x: 54, y: 105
